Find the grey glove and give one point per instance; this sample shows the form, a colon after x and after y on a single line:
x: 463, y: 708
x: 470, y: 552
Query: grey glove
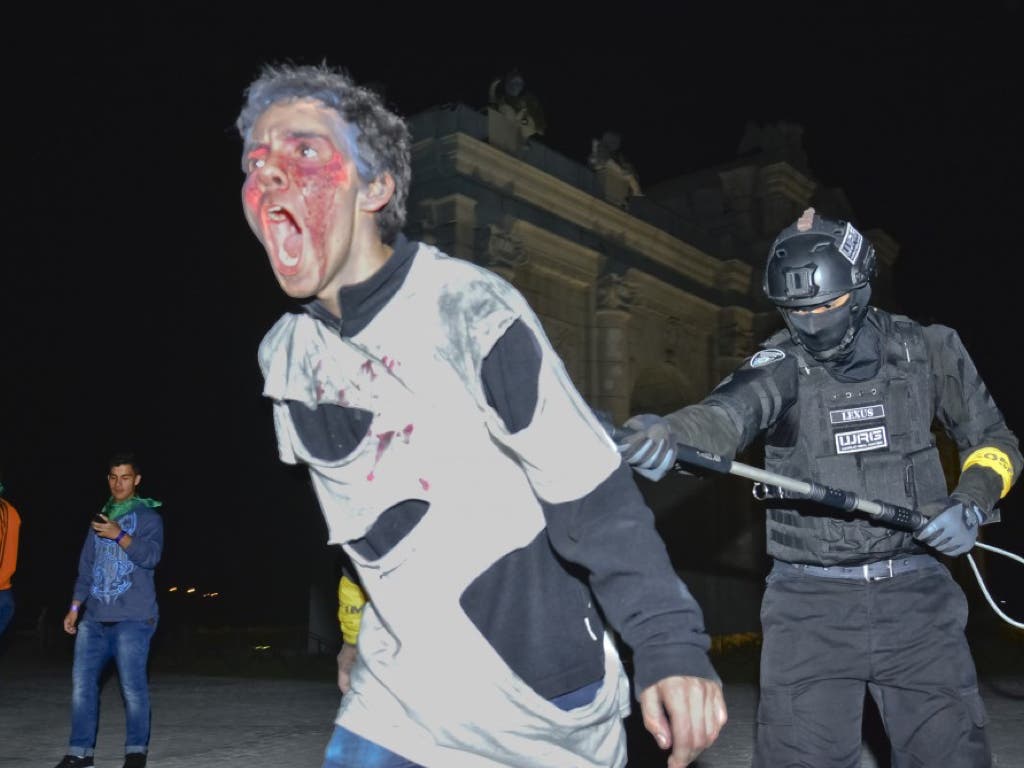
x: 648, y: 445
x: 954, y: 530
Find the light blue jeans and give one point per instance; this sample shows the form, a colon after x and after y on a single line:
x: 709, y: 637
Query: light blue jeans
x: 127, y: 643
x: 347, y: 750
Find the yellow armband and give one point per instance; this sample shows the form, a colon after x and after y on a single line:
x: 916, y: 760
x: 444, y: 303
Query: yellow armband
x: 993, y: 459
x: 351, y: 600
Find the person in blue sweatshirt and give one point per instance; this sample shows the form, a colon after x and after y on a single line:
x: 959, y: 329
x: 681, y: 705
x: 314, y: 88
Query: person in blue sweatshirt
x: 113, y: 614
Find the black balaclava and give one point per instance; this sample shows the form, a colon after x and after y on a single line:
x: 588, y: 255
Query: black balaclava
x: 828, y: 335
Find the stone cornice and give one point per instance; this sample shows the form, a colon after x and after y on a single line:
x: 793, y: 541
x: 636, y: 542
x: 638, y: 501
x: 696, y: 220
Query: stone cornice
x: 570, y: 259
x: 479, y: 160
x: 666, y: 299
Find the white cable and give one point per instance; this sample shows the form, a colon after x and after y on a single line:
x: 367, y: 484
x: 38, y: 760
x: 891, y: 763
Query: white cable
x: 984, y: 589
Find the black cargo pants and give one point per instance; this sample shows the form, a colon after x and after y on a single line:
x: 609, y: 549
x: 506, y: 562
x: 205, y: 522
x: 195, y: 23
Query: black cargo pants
x: 826, y: 639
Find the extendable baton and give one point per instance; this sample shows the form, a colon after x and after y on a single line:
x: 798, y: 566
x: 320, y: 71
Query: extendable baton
x: 890, y: 515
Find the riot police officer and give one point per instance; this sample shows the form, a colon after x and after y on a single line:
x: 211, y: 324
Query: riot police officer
x: 846, y: 395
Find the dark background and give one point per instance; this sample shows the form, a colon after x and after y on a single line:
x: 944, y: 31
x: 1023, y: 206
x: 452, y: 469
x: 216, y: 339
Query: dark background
x: 134, y: 296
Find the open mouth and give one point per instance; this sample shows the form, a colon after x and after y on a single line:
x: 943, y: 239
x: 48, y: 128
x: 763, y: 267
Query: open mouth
x: 283, y: 228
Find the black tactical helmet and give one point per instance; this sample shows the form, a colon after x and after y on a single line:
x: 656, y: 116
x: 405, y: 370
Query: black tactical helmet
x: 816, y: 260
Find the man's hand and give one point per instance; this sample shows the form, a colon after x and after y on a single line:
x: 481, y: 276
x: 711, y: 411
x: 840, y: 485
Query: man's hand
x: 684, y: 714
x: 954, y: 530
x: 107, y: 529
x: 70, y: 622
x: 346, y: 660
x: 648, y: 445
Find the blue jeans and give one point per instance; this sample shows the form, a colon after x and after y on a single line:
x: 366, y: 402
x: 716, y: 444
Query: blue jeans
x: 127, y: 643
x: 6, y: 608
x: 347, y: 750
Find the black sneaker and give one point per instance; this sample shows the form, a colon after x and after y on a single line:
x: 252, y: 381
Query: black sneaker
x: 71, y: 761
x: 135, y: 760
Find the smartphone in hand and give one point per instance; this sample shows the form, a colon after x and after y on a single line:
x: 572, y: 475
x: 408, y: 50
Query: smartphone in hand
x: 98, y: 518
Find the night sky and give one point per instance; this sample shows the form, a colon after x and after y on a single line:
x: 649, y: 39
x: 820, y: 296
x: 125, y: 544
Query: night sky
x: 134, y: 295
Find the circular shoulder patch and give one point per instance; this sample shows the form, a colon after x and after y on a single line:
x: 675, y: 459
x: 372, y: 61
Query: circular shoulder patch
x: 766, y: 356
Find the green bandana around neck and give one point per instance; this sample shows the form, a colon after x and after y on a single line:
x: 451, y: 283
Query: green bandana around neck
x: 112, y: 510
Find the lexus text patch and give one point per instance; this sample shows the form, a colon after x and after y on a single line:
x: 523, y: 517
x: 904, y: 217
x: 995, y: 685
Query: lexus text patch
x: 861, y: 413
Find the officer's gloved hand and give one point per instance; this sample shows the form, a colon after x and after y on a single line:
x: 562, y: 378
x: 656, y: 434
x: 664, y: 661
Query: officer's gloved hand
x: 954, y: 530
x: 647, y: 444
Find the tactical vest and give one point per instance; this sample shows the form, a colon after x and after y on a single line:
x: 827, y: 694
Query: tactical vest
x: 872, y: 438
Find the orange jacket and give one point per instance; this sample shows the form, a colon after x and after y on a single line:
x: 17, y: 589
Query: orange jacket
x: 9, y: 526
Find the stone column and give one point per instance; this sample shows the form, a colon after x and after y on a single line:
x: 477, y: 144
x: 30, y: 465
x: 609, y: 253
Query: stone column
x: 614, y: 310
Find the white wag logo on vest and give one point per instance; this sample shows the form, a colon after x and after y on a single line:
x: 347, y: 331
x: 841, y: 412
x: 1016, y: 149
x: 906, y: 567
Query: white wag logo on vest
x: 869, y: 439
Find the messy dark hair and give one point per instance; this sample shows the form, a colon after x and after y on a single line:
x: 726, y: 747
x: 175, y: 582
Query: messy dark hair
x: 124, y: 457
x: 382, y: 138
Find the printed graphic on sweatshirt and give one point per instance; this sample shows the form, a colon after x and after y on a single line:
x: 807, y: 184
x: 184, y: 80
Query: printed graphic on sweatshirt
x: 112, y: 570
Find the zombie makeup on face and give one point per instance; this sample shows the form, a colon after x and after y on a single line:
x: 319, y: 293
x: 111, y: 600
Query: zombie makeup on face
x: 301, y: 195
x: 310, y: 160
x: 318, y: 182
x: 251, y: 191
x: 312, y: 163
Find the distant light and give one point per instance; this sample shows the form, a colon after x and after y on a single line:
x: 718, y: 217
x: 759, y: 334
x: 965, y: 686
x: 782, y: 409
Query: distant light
x: 211, y: 594
x: 261, y: 647
x: 173, y: 589
x: 190, y: 590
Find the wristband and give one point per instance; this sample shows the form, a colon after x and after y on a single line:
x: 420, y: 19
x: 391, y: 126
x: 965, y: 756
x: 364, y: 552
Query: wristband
x: 117, y: 539
x: 73, y: 608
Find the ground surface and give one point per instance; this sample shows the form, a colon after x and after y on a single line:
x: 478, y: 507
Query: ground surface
x: 219, y: 702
